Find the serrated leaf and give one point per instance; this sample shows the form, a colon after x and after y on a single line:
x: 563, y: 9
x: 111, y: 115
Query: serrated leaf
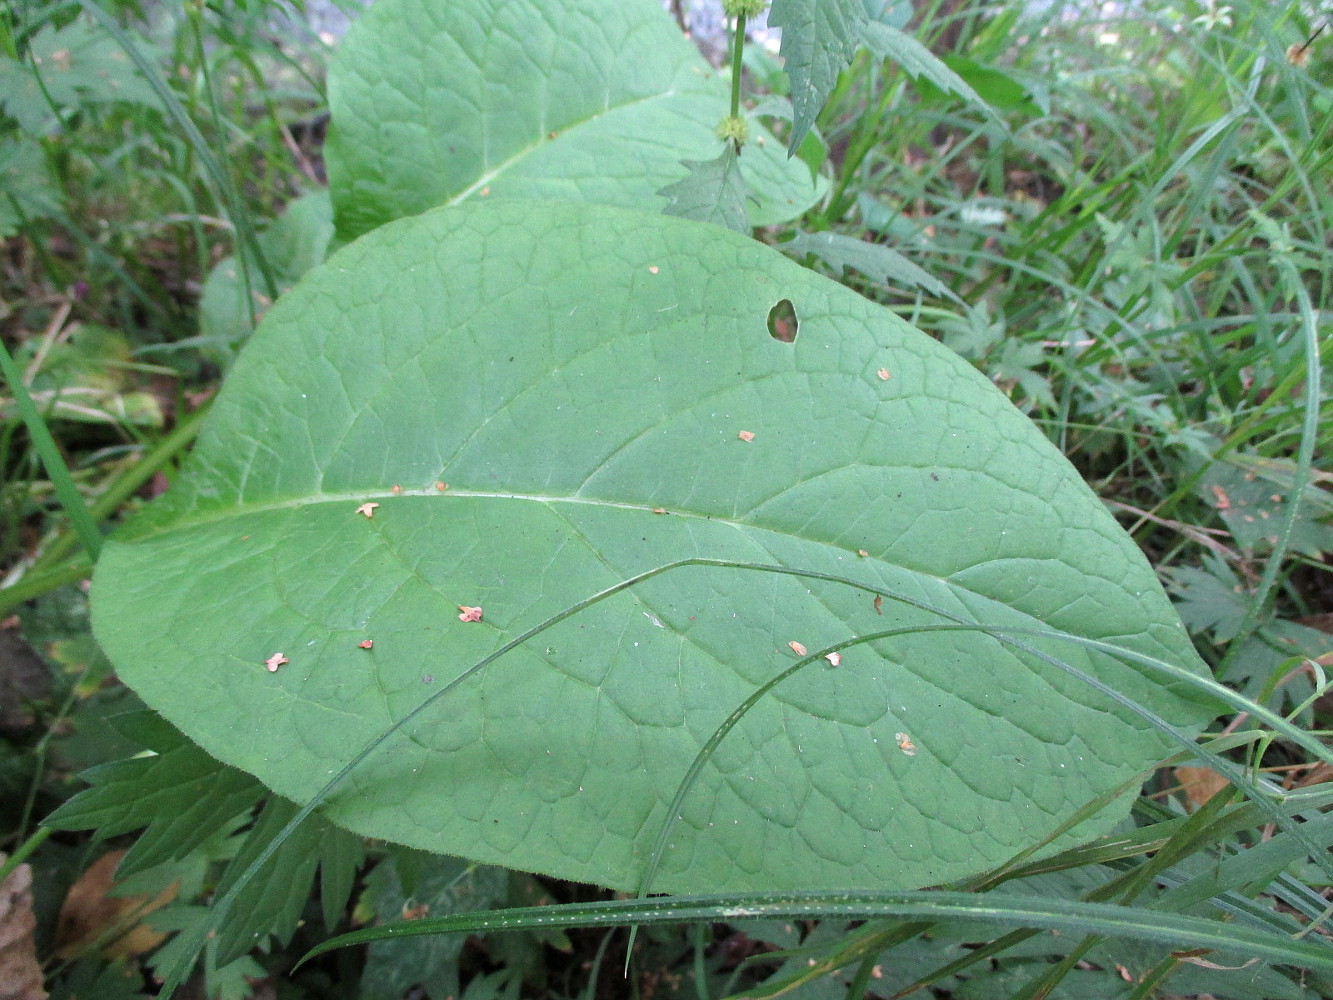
x: 545, y: 400
x: 1210, y: 599
x: 228, y: 981
x: 1253, y: 500
x: 181, y: 796
x: 69, y: 66
x: 341, y: 856
x: 580, y: 100
x: 270, y: 904
x: 819, y: 38
x: 96, y: 977
x: 443, y: 885
x: 27, y: 190
x: 874, y: 260
x: 887, y: 42
x: 713, y: 192
x: 148, y: 730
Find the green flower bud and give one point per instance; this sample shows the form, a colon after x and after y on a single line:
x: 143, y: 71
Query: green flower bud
x: 750, y: 8
x: 733, y: 128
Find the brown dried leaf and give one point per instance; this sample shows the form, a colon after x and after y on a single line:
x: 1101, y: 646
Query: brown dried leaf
x: 90, y: 912
x: 1200, y: 783
x: 20, y: 974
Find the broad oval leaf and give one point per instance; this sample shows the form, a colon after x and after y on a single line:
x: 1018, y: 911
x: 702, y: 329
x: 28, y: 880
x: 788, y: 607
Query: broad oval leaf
x: 435, y: 101
x: 546, y: 399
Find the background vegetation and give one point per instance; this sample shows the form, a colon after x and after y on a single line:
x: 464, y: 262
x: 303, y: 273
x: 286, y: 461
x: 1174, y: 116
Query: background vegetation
x: 1141, y: 260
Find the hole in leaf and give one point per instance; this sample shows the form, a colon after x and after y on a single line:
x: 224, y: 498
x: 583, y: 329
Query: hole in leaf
x: 782, y: 322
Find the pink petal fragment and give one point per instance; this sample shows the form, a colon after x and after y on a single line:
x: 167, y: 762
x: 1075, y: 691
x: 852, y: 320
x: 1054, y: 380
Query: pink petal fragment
x: 368, y: 509
x: 883, y: 374
x: 797, y: 648
x: 746, y: 435
x: 905, y: 744
x: 441, y: 486
x: 833, y: 658
x: 366, y: 643
x: 469, y: 614
x: 654, y: 269
x: 275, y: 661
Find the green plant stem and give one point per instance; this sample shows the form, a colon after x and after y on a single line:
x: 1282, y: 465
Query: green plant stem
x: 24, y: 851
x: 34, y: 585
x: 737, y: 51
x: 61, y: 480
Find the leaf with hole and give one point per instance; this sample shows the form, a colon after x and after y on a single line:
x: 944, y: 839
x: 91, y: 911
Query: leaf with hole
x: 572, y: 372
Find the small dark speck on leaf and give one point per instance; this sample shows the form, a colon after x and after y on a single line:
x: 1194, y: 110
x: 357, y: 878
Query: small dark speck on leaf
x: 782, y: 322
x: 935, y: 477
x: 428, y: 679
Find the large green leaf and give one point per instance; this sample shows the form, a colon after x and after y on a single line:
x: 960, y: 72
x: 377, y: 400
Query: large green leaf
x: 580, y: 376
x: 587, y: 100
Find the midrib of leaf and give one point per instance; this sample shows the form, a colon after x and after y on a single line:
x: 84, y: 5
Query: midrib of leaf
x: 353, y: 499
x: 498, y: 170
x: 553, y: 502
